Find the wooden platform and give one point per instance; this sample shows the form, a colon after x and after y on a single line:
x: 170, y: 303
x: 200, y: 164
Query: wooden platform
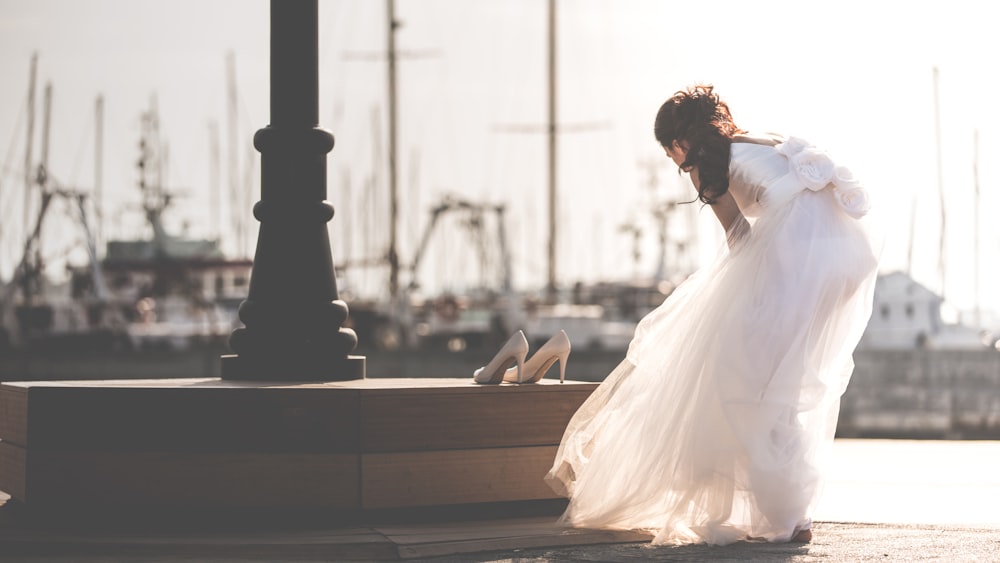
x: 354, y: 446
x: 456, y: 541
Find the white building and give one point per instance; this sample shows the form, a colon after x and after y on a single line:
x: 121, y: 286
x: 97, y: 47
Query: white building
x: 908, y: 315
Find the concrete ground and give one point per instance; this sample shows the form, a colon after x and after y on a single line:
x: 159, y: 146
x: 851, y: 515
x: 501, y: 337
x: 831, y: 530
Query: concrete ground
x: 885, y: 501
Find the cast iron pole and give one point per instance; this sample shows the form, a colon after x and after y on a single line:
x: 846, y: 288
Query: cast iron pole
x: 293, y: 316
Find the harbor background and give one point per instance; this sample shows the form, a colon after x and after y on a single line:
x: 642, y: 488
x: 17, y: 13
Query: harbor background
x: 472, y: 109
x: 926, y: 369
x: 481, y: 90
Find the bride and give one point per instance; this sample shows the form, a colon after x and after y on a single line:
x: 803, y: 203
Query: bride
x: 716, y: 426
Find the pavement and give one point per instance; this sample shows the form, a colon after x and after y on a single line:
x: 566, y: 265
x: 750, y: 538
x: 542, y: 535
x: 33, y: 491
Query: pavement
x: 886, y: 500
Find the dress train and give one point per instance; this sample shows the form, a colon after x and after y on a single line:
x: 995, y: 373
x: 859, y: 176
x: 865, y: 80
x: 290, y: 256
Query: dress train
x: 716, y: 425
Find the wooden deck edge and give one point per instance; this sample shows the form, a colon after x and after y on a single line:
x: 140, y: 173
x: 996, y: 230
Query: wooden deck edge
x: 306, y: 419
x: 14, y: 415
x: 13, y: 471
x: 547, y: 535
x: 370, y: 547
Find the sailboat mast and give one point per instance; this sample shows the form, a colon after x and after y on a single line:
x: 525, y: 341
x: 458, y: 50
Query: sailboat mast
x: 214, y: 176
x: 551, y: 285
x: 46, y: 121
x: 975, y: 226
x: 32, y: 282
x: 940, y: 179
x: 236, y: 211
x: 393, y: 255
x: 913, y: 231
x: 29, y: 179
x: 99, y: 168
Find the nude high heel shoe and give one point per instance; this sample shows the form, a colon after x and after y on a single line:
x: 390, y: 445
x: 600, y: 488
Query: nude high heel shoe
x: 556, y: 349
x: 513, y: 351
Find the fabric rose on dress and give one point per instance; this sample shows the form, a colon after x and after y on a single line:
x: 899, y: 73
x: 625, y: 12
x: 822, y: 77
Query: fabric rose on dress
x: 792, y: 145
x: 850, y: 194
x: 814, y: 167
x: 816, y: 170
x: 844, y: 178
x: 853, y: 200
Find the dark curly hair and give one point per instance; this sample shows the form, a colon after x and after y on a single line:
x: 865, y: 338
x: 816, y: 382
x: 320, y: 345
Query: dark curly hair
x: 698, y: 117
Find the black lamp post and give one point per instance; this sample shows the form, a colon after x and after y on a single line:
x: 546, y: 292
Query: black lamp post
x: 293, y: 316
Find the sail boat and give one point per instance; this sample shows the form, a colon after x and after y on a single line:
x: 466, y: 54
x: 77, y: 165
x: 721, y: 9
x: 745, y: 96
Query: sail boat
x: 443, y: 318
x: 33, y: 309
x: 406, y: 319
x: 184, y: 291
x: 164, y: 292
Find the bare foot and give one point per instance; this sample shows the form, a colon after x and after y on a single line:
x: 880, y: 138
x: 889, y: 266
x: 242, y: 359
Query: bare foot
x: 804, y: 536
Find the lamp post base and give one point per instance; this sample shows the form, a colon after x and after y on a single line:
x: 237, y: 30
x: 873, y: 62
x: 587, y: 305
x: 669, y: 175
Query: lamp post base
x: 236, y: 367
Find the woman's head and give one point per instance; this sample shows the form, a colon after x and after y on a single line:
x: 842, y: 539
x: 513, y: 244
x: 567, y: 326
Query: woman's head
x: 695, y: 126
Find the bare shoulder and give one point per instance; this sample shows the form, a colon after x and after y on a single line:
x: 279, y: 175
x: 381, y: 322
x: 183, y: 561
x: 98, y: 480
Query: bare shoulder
x: 769, y: 139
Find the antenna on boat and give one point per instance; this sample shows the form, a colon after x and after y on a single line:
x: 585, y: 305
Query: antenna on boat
x: 155, y: 198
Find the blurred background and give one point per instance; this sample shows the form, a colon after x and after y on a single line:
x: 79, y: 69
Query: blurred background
x: 128, y: 173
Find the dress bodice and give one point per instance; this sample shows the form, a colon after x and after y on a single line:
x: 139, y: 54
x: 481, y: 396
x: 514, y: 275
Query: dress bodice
x: 754, y: 165
x: 767, y: 171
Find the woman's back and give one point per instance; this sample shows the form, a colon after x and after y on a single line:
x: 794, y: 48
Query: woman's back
x: 754, y: 164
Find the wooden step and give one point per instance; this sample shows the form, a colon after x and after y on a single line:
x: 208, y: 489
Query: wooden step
x: 213, y: 443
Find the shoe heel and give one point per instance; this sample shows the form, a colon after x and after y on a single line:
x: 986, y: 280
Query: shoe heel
x: 513, y: 351
x: 562, y: 366
x: 555, y: 350
x: 561, y: 358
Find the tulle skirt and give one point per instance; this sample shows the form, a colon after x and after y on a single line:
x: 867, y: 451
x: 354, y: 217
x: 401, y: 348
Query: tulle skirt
x: 715, y: 426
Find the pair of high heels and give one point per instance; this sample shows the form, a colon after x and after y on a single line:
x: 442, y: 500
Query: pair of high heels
x: 530, y: 370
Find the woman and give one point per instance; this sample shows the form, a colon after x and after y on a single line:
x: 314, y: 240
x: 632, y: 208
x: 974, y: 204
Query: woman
x: 715, y: 427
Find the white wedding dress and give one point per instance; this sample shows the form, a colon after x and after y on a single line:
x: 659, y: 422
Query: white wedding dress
x: 715, y: 426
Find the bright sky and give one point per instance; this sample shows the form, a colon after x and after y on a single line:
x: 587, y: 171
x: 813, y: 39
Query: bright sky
x: 853, y: 76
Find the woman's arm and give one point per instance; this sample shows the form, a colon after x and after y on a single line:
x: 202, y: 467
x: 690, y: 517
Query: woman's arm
x: 725, y: 208
x: 728, y: 214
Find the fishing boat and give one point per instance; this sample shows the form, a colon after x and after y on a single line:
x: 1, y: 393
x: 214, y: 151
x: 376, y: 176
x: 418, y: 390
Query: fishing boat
x: 155, y: 304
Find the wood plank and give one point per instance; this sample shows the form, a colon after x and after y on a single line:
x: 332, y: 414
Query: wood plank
x: 435, y: 478
x: 13, y: 414
x: 515, y: 416
x: 202, y: 415
x: 214, y: 444
x: 387, y: 384
x: 193, y: 419
x: 416, y: 386
x: 544, y: 534
x: 168, y: 383
x: 210, y: 544
x: 13, y: 470
x: 230, y: 480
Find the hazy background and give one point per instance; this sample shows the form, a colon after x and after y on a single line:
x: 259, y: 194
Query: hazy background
x: 853, y: 76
